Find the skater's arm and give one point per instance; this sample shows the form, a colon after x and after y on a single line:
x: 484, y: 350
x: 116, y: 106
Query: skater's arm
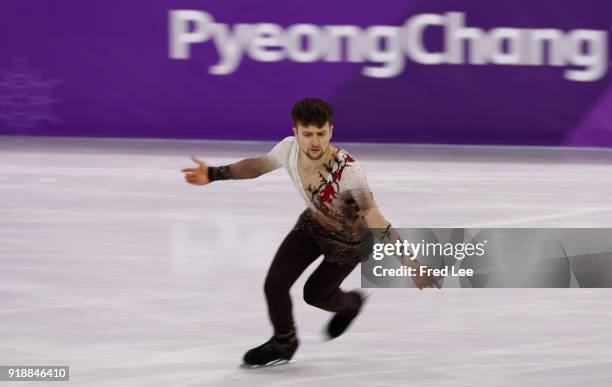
x: 375, y: 220
x: 251, y: 168
x: 359, y: 205
x: 245, y: 169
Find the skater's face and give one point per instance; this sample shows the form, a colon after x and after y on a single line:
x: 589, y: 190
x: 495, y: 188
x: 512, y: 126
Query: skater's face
x: 313, y: 141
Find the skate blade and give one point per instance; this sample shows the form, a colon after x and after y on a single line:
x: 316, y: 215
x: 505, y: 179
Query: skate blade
x: 270, y: 364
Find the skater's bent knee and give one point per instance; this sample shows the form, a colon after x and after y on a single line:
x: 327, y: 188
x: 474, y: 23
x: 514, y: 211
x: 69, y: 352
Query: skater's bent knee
x: 314, y: 298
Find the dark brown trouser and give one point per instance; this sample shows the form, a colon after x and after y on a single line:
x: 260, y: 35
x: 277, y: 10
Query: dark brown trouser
x: 322, y: 289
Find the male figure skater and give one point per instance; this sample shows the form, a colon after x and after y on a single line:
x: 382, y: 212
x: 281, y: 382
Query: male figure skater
x: 340, y: 207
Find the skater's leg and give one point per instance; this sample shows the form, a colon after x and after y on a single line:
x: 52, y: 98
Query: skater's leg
x: 292, y: 258
x: 322, y: 289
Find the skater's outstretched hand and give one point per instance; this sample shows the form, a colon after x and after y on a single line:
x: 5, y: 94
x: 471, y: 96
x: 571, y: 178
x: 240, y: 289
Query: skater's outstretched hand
x: 425, y: 281
x: 198, y: 175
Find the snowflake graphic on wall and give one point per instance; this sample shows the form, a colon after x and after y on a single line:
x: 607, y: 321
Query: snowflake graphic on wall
x: 25, y: 97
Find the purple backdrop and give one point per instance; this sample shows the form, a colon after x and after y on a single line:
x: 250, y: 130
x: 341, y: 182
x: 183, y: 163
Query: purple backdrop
x: 84, y: 68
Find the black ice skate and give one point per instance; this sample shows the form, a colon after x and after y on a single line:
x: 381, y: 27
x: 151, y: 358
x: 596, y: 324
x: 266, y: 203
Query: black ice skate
x: 276, y: 351
x: 343, y: 319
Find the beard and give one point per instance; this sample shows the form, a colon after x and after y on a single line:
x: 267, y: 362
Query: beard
x: 315, y: 158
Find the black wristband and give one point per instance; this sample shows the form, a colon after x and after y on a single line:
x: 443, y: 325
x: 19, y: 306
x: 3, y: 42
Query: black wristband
x: 219, y: 173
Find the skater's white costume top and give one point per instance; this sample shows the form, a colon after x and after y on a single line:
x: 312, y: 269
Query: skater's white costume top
x: 345, y: 178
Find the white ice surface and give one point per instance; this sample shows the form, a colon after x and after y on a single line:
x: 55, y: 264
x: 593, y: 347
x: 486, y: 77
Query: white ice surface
x: 110, y: 263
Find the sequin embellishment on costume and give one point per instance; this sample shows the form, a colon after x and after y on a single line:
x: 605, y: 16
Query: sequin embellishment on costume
x: 327, y: 191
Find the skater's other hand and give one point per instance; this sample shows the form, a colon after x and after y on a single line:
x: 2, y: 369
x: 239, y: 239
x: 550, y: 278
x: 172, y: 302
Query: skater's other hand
x: 425, y: 281
x: 198, y: 175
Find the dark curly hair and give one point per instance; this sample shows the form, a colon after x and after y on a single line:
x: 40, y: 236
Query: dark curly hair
x: 312, y: 111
